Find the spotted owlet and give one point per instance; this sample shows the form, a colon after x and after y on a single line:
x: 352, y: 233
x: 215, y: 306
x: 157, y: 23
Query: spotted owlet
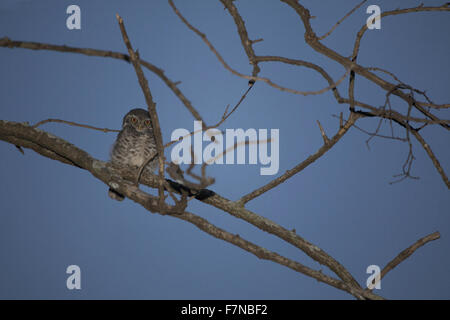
x: 135, y: 144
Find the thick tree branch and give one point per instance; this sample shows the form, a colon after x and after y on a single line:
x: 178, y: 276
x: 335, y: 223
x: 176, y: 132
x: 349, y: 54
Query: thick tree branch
x: 56, y: 148
x: 121, y: 179
x: 265, y: 254
x: 64, y: 150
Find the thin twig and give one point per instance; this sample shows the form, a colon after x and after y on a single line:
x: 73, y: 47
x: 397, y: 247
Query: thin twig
x: 340, y: 21
x: 227, y: 115
x: 8, y: 43
x: 224, y: 117
x: 322, y: 132
x: 432, y: 156
x: 405, y: 254
x: 74, y: 124
x: 386, y: 72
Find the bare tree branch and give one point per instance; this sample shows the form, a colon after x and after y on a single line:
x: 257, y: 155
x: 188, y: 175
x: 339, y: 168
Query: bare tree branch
x: 56, y: 148
x: 343, y: 18
x: 122, y: 179
x: 151, y: 109
x: 290, y: 173
x: 312, y: 39
x: 7, y: 43
x: 253, y: 78
x: 405, y: 254
x: 74, y: 124
x: 246, y: 43
x: 432, y: 156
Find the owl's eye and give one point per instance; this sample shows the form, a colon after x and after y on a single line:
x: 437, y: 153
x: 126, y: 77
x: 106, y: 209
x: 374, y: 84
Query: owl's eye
x: 133, y: 120
x: 147, y: 122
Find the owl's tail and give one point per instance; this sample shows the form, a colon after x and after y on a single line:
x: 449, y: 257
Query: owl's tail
x: 201, y: 194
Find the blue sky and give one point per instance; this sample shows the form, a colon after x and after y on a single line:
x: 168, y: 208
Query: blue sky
x: 54, y: 215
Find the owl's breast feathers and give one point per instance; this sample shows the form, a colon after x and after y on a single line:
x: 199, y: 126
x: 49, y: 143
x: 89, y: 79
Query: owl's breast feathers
x: 133, y: 149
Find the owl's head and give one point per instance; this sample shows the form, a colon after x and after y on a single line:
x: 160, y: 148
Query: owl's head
x: 139, y: 120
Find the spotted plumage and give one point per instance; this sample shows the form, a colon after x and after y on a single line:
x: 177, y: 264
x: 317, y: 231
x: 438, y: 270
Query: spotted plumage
x: 135, y: 144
